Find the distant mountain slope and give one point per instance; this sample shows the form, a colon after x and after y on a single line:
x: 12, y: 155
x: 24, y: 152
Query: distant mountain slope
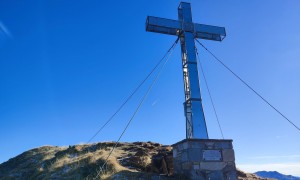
x: 138, y: 160
x: 276, y: 175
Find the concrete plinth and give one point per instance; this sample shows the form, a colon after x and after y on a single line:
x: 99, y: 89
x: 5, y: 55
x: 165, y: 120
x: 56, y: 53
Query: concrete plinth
x: 205, y: 159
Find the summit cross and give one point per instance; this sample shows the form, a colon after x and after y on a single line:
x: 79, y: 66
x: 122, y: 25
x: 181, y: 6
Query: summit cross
x: 187, y: 31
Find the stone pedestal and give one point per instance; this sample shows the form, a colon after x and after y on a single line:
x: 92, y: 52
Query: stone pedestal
x: 205, y: 159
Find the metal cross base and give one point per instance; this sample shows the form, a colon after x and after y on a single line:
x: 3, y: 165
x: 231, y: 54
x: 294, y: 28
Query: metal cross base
x: 187, y: 32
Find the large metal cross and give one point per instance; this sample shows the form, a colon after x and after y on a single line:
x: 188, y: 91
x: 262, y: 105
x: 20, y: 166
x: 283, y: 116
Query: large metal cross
x: 187, y: 32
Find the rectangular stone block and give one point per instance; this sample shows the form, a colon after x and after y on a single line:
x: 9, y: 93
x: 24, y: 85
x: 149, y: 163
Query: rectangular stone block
x: 212, y: 166
x: 185, y: 145
x: 228, y: 155
x: 196, y: 166
x: 184, y: 157
x: 174, y: 153
x: 186, y: 166
x: 195, y: 155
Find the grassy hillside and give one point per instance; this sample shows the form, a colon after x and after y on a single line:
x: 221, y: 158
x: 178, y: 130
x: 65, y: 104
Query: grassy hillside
x: 139, y: 160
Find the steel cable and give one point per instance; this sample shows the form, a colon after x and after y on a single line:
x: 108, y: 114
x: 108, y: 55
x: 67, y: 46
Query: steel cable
x: 137, y: 109
x: 135, y: 90
x: 210, y: 96
x: 244, y: 82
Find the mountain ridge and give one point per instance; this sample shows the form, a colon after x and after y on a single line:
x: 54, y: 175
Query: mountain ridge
x: 276, y: 175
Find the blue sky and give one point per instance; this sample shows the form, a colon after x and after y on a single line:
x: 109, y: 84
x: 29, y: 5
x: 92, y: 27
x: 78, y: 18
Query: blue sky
x: 66, y: 66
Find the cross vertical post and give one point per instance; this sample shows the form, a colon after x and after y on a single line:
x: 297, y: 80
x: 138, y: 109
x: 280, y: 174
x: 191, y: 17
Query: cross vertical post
x: 187, y: 32
x: 195, y: 119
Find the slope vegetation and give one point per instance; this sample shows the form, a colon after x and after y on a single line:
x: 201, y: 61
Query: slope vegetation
x: 138, y: 160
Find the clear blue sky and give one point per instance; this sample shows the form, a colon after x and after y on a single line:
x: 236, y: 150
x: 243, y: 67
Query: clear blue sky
x: 67, y: 65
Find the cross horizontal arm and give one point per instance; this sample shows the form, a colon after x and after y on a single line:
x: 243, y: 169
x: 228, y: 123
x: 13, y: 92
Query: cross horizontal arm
x: 161, y: 25
x: 208, y: 32
x: 174, y: 27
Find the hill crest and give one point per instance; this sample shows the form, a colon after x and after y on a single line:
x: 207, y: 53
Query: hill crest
x: 137, y: 160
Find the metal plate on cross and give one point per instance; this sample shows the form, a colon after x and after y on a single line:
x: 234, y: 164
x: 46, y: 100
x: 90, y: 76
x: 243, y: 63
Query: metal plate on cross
x: 212, y: 155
